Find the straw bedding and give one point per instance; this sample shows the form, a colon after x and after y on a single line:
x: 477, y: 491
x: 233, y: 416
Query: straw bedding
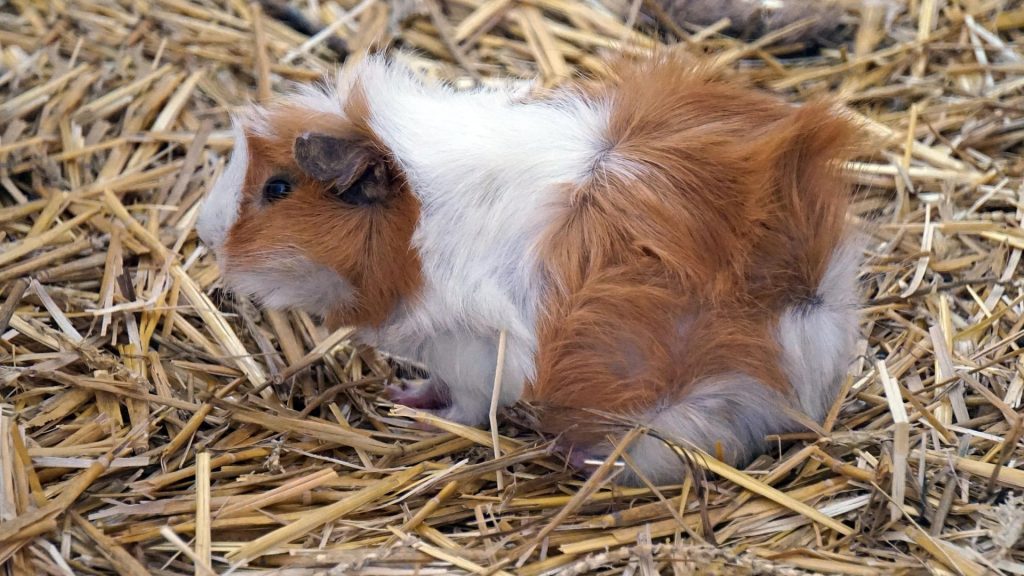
x: 151, y: 424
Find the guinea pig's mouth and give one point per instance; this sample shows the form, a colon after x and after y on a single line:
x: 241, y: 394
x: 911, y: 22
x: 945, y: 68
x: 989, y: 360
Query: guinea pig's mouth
x: 300, y: 284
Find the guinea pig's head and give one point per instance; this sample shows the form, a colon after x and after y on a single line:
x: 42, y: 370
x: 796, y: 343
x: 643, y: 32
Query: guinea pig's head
x: 313, y: 213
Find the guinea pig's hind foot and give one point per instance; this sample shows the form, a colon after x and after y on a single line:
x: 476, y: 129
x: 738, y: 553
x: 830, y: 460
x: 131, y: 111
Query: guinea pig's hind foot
x: 419, y: 394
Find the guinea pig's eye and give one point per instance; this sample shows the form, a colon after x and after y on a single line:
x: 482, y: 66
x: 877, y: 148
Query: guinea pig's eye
x: 276, y: 189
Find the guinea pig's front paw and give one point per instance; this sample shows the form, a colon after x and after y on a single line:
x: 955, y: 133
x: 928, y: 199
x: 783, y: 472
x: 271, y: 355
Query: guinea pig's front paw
x: 420, y: 394
x: 434, y: 397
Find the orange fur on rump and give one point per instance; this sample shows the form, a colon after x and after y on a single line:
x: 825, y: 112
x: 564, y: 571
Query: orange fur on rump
x: 369, y: 246
x: 715, y: 208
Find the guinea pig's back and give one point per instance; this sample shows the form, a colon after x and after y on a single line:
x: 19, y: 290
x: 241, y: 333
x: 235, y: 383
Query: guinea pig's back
x: 739, y: 195
x: 706, y: 269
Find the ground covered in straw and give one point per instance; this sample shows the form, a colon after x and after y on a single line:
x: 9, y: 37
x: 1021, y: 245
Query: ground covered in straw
x: 150, y: 424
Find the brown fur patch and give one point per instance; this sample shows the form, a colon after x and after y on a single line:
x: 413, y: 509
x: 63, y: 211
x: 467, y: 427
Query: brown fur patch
x: 715, y: 208
x: 369, y: 245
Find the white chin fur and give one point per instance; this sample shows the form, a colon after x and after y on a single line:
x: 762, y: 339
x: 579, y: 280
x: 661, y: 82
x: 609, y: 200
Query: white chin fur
x: 303, y: 285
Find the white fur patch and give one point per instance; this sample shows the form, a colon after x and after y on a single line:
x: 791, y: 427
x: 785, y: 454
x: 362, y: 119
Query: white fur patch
x: 491, y: 174
x: 733, y: 411
x: 320, y: 97
x: 220, y: 208
x: 818, y: 340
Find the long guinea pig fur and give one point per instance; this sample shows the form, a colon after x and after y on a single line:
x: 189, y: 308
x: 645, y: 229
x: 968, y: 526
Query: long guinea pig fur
x: 667, y: 247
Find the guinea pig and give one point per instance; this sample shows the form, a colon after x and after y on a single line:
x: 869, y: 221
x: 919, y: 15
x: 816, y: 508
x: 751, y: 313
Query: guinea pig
x: 667, y: 247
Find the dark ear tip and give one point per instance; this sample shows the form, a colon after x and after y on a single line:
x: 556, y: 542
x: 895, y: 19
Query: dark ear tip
x: 300, y: 145
x: 302, y: 142
x: 325, y: 157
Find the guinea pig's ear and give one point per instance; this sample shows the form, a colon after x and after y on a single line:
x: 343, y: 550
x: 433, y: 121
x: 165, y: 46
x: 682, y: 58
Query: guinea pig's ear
x: 332, y: 159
